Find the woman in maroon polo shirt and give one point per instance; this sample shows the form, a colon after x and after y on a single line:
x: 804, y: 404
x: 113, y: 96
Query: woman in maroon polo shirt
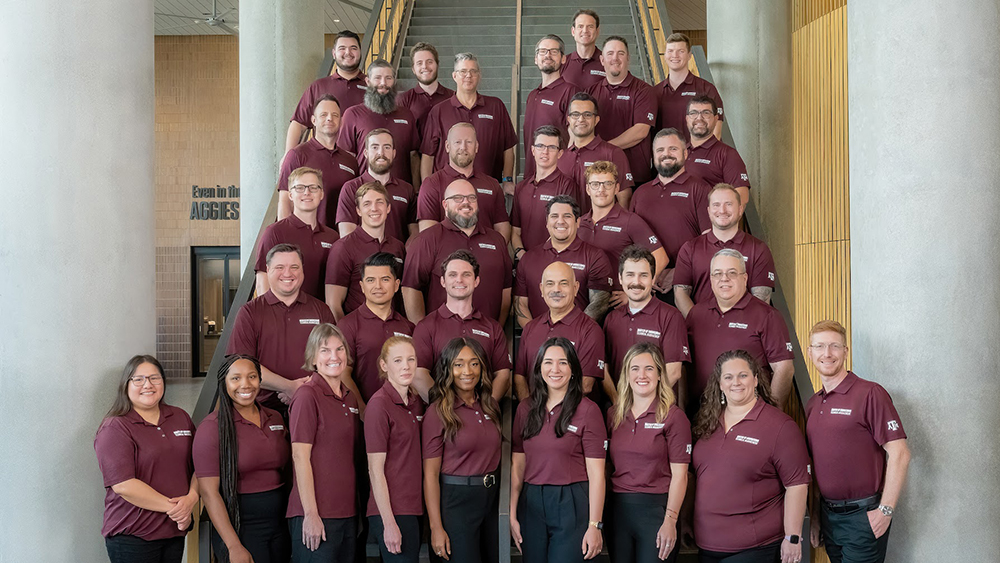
x: 751, y: 468
x: 324, y: 425
x: 650, y: 449
x: 557, y: 471
x: 144, y: 450
x: 461, y: 449
x: 392, y: 438
x: 241, y: 457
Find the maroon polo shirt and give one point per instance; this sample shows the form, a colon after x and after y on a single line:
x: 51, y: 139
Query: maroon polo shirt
x: 590, y: 265
x: 435, y: 330
x: 402, y: 205
x: 642, y: 450
x: 741, y: 480
x: 530, y: 198
x: 676, y: 211
x: 276, y: 334
x: 348, y: 255
x: 492, y: 208
x: 392, y: 427
x: 751, y: 325
x: 330, y: 424
x: 578, y: 328
x: 716, y: 162
x: 673, y: 104
x: 475, y: 449
x: 314, y: 243
x: 365, y: 333
x: 493, y: 130
x: 420, y: 102
x: 546, y: 105
x: 359, y: 121
x: 549, y: 460
x: 694, y: 262
x: 575, y: 160
x: 348, y: 93
x: 422, y: 270
x: 657, y: 322
x: 616, y: 231
x: 847, y: 428
x: 581, y: 71
x: 264, y: 452
x: 623, y: 105
x: 338, y: 166
x: 158, y: 454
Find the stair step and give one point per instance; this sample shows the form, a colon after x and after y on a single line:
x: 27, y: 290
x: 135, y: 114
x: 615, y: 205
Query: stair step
x: 466, y: 30
x: 451, y: 11
x: 466, y: 4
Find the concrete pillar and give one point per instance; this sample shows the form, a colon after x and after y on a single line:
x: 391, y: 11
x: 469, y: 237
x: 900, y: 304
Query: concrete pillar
x: 924, y: 140
x: 281, y: 48
x: 77, y: 248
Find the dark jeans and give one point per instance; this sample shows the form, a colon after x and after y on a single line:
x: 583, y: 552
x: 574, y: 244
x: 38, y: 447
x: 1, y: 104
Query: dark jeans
x: 132, y: 549
x: 469, y: 515
x: 409, y: 527
x: 637, y: 517
x: 770, y: 553
x: 341, y: 536
x: 849, y: 538
x: 263, y: 529
x: 553, y: 520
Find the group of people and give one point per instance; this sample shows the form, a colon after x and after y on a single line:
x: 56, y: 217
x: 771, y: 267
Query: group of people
x: 361, y: 390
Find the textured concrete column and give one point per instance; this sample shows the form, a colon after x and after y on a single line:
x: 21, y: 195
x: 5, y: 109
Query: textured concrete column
x: 77, y: 248
x: 281, y: 47
x: 925, y: 191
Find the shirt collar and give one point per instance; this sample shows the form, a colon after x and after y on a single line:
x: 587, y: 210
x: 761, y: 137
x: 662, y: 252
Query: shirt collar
x: 480, y: 101
x: 359, y: 78
x: 738, y: 239
x: 447, y: 313
x: 367, y: 177
x: 300, y: 224
x: 320, y: 383
x: 575, y: 245
x: 570, y: 317
x: 843, y: 387
x: 650, y: 411
x: 707, y: 145
x: 555, y: 83
x: 317, y: 147
x: 650, y: 308
x: 271, y: 299
x: 451, y: 226
x: 394, y: 395
x: 136, y: 418
x: 741, y: 304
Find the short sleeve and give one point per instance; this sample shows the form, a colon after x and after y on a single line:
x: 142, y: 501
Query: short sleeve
x: 116, y: 452
x: 376, y: 427
x: 338, y: 265
x: 683, y: 271
x: 763, y: 267
x: 515, y: 208
x: 325, y: 313
x: 734, y: 171
x: 508, y: 133
x: 291, y: 162
x: 624, y: 170
x: 644, y: 110
x: 520, y: 280
x: 347, y: 209
x: 428, y: 200
x: 499, y: 356
x: 881, y: 417
x: 595, y: 435
x: 703, y: 220
x: 642, y: 234
x: 714, y: 93
x: 267, y: 241
x: 590, y: 349
x: 416, y: 267
x: 674, y: 341
x: 303, y: 111
x: 499, y: 205
x: 430, y: 137
x: 432, y: 434
x: 775, y: 340
x: 791, y: 457
x: 517, y: 428
x: 303, y: 416
x: 205, y: 450
x: 508, y: 264
x: 348, y: 137
x: 677, y: 431
x: 411, y: 208
x: 244, y: 335
x: 423, y: 343
x: 599, y: 277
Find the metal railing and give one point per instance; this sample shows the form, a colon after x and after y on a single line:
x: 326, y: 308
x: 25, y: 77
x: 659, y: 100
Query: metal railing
x: 386, y: 28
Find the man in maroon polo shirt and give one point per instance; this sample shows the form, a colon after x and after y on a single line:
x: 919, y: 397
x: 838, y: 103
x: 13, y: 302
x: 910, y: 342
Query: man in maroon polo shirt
x: 859, y: 451
x: 586, y: 147
x: 458, y: 317
x: 380, y: 153
x: 348, y: 255
x: 734, y: 320
x: 487, y: 114
x: 562, y: 317
x: 527, y: 214
x: 367, y: 327
x: 303, y: 229
x: 275, y: 327
x: 428, y: 92
x: 628, y: 108
x: 583, y: 66
x: 380, y: 111
x: 462, y: 145
x: 692, y: 282
x: 590, y: 265
x: 547, y: 104
x: 322, y: 153
x: 347, y: 83
x: 680, y: 86
x: 460, y: 229
x: 709, y: 158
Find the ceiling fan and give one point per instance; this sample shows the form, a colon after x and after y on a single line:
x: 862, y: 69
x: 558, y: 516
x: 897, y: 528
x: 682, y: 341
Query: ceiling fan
x: 215, y: 19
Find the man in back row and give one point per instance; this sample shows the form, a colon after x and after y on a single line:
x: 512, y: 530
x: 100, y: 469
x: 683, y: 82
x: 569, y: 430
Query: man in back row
x: 586, y: 147
x: 583, y: 66
x: 547, y: 104
x: 428, y: 92
x: 681, y: 85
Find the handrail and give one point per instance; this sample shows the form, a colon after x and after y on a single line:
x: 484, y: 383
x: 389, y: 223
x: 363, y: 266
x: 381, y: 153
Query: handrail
x: 653, y: 37
x: 385, y: 27
x: 637, y: 24
x: 503, y: 518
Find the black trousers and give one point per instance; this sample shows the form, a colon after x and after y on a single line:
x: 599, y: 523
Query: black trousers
x: 133, y: 549
x: 409, y: 527
x: 263, y: 529
x: 849, y: 538
x: 637, y: 517
x: 469, y: 514
x: 770, y: 553
x: 553, y: 520
x: 362, y: 487
x: 341, y: 536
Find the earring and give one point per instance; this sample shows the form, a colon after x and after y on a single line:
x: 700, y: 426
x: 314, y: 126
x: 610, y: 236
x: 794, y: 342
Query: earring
x: 723, y: 400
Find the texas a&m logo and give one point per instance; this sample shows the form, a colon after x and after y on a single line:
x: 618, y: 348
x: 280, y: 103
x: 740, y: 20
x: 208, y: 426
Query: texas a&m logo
x: 893, y: 425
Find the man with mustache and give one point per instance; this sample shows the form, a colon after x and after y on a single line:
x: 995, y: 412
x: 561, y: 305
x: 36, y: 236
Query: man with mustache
x: 709, y: 158
x: 583, y: 66
x: 547, y: 104
x: 586, y: 147
x: 428, y: 92
x: 680, y: 86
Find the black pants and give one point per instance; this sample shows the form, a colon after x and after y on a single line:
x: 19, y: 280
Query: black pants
x: 362, y: 487
x: 770, y: 553
x: 341, y: 536
x: 469, y: 514
x: 133, y: 549
x: 409, y: 527
x: 263, y: 529
x: 849, y: 538
x: 553, y: 520
x: 637, y: 518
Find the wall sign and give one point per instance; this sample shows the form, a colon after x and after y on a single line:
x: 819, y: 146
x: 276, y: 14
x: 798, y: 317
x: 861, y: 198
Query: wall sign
x: 215, y: 204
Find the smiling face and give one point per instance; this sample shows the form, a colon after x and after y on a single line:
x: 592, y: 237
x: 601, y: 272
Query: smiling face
x: 729, y: 278
x: 724, y: 209
x: 669, y: 154
x: 461, y: 146
x: 643, y: 376
x: 701, y: 120
x: 149, y: 392
x: 461, y: 204
x: 459, y: 279
x: 466, y: 76
x: 379, y: 284
x: 304, y: 193
x: 828, y: 352
x: 737, y: 382
x: 615, y: 59
x: 548, y: 58
x: 326, y: 118
x: 382, y: 80
x: 400, y: 364
x: 242, y: 383
x: 636, y: 279
x: 562, y: 223
x: 556, y: 371
x: 558, y: 287
x: 331, y: 358
x: 380, y: 153
x: 284, y: 274
x: 582, y: 118
x: 347, y: 53
x: 466, y: 370
x: 677, y: 56
x: 425, y: 68
x: 584, y: 30
x: 373, y: 209
x: 546, y: 151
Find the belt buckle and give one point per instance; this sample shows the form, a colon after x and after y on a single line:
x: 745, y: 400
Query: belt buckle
x: 489, y: 480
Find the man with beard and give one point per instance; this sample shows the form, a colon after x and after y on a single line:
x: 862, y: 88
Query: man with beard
x: 428, y: 92
x: 709, y: 158
x: 379, y: 111
x: 527, y: 214
x: 322, y: 153
x: 487, y: 114
x: 461, y: 228
x: 692, y: 281
x: 628, y: 107
x: 347, y: 84
x: 547, y: 104
x: 680, y: 86
x: 380, y: 151
x: 583, y: 66
x: 586, y: 147
x: 462, y: 145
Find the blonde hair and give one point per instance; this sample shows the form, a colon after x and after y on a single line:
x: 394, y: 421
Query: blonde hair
x: 664, y: 394
x: 302, y: 171
x: 374, y: 186
x: 383, y: 356
x: 601, y: 167
x: 829, y: 326
x: 320, y: 334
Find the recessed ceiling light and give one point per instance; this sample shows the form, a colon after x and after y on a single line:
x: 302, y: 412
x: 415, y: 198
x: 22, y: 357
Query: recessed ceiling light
x: 336, y: 21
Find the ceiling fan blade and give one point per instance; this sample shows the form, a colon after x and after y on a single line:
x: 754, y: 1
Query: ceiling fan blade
x: 180, y: 26
x: 176, y: 16
x: 227, y: 29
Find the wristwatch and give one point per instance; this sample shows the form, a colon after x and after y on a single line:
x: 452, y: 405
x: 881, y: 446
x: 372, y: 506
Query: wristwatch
x: 598, y: 525
x: 507, y: 179
x: 793, y: 539
x: 886, y: 509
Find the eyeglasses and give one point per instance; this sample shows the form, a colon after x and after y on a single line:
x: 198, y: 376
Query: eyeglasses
x: 556, y: 51
x: 728, y: 274
x: 301, y: 188
x: 833, y: 347
x: 463, y: 198
x: 584, y: 115
x: 704, y: 113
x: 541, y: 147
x: 602, y: 186
x: 467, y: 72
x: 140, y: 380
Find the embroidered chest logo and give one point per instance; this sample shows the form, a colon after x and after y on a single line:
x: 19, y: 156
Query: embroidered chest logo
x: 394, y: 333
x: 487, y: 246
x: 572, y: 429
x: 703, y: 161
x: 679, y: 194
x: 845, y: 412
x: 182, y: 432
x: 654, y: 425
x: 276, y: 427
x: 401, y: 121
x: 597, y: 73
x: 748, y: 440
x: 544, y: 197
x: 485, y: 116
x: 743, y: 326
x: 484, y: 191
x: 478, y: 332
x: 348, y: 169
x: 400, y: 199
x: 326, y: 244
x: 647, y: 332
x: 308, y: 321
x: 353, y: 410
x: 547, y: 102
x: 612, y: 229
x: 688, y: 93
x: 576, y: 266
x: 623, y: 97
x: 586, y: 164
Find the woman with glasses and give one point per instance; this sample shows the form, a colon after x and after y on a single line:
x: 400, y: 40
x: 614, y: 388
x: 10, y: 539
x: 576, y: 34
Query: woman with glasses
x: 143, y: 448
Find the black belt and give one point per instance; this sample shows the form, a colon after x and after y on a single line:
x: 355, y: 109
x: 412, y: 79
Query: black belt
x: 841, y: 506
x: 488, y: 480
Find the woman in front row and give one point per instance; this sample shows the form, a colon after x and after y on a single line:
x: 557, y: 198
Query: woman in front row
x: 241, y: 456
x: 461, y: 449
x: 650, y: 448
x: 751, y: 468
x: 557, y: 470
